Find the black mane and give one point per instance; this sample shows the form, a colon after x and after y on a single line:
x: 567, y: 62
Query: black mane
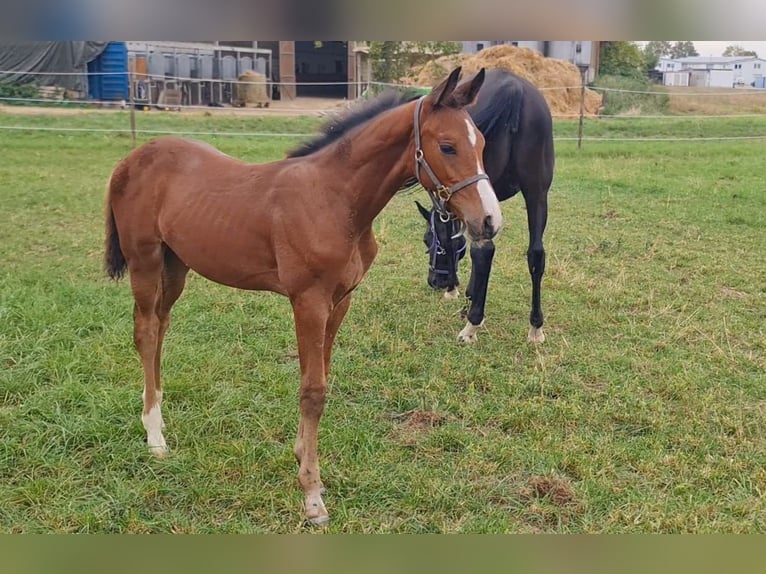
x: 337, y: 127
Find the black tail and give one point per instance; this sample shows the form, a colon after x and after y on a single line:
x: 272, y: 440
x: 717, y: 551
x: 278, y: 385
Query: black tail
x: 114, y: 260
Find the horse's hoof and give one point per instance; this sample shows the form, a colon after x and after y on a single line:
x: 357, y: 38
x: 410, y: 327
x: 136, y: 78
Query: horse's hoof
x: 319, y: 521
x: 536, y: 335
x: 452, y: 294
x: 467, y: 339
x: 468, y: 334
x: 160, y: 451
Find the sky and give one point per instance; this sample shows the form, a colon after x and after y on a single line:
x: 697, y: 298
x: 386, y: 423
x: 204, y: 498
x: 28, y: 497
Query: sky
x: 716, y: 48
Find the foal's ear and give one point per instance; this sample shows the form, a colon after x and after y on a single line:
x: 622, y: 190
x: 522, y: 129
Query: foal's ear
x: 465, y: 94
x: 441, y: 92
x: 423, y: 211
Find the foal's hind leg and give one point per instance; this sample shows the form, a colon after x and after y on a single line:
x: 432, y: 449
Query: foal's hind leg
x: 172, y: 285
x: 154, y: 290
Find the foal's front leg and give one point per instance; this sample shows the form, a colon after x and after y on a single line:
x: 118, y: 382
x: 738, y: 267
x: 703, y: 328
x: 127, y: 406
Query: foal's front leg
x: 311, y: 316
x: 482, y: 254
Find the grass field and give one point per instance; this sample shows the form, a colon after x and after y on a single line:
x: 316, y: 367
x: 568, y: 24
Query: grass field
x: 644, y: 411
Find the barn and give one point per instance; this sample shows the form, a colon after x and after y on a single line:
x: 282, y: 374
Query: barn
x: 314, y: 68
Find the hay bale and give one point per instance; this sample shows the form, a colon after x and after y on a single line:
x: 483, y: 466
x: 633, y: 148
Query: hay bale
x: 252, y: 90
x: 541, y: 71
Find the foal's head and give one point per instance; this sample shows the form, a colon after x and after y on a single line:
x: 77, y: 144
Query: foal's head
x: 448, y: 153
x: 445, y: 245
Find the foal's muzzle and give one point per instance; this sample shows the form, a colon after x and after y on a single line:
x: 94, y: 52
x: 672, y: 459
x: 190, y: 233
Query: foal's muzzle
x: 484, y: 231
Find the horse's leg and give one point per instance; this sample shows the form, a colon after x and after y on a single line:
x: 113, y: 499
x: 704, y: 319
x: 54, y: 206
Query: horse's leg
x: 312, y: 312
x: 146, y: 268
x: 173, y: 281
x: 334, y: 323
x: 482, y: 254
x: 537, y: 218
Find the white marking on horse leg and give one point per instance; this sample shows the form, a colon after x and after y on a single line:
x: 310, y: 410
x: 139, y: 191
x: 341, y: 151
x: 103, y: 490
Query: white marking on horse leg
x: 489, y: 200
x: 153, y: 424
x: 468, y: 334
x: 452, y: 293
x: 536, y: 335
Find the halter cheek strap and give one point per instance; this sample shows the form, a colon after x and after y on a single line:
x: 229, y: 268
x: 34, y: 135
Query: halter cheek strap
x: 442, y: 194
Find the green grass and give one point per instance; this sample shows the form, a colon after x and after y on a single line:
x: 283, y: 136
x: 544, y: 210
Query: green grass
x: 644, y: 411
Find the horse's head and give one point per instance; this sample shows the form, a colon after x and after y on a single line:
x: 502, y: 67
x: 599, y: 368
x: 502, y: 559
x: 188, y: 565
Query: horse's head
x: 445, y: 245
x: 448, y: 154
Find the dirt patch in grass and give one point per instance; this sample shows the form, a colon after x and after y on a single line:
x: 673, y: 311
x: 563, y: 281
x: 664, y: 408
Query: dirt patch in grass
x: 413, y: 425
x: 417, y: 419
x: 555, y: 489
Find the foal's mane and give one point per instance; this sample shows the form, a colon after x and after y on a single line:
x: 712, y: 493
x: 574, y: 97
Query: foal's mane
x: 340, y: 125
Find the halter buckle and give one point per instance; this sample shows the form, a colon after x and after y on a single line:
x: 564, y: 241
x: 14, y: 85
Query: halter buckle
x: 419, y: 155
x: 443, y: 193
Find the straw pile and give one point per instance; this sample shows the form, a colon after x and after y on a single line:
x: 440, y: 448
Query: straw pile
x: 542, y: 72
x: 253, y: 91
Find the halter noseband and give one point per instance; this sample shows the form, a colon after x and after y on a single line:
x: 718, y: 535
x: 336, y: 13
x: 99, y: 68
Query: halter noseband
x: 442, y: 194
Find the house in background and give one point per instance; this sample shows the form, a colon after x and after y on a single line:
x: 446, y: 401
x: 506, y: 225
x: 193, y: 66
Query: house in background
x: 584, y: 55
x: 712, y: 71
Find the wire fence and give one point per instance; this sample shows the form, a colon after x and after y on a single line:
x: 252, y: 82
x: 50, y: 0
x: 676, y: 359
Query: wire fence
x: 296, y: 109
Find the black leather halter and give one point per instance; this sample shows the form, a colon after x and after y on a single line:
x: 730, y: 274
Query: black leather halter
x: 442, y: 194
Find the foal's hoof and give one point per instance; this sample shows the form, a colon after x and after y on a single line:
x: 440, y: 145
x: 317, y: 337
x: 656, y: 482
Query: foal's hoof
x: 319, y: 521
x: 536, y: 335
x: 316, y: 512
x: 160, y: 451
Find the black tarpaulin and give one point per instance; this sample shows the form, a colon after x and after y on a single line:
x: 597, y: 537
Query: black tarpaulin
x: 35, y: 62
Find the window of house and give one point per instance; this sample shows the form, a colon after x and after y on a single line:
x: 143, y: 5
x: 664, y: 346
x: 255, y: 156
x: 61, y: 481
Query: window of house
x: 479, y: 46
x: 757, y: 66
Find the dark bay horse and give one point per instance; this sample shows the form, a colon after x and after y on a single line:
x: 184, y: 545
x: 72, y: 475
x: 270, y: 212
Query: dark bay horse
x: 301, y: 227
x: 518, y: 156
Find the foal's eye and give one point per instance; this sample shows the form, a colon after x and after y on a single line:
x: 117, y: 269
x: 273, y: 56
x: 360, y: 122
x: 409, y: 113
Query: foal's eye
x: 446, y: 148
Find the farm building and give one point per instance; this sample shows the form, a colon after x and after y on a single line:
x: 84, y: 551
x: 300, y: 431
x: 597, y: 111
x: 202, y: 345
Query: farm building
x: 712, y: 72
x: 198, y: 72
x: 193, y: 73
x: 293, y: 68
x: 581, y: 54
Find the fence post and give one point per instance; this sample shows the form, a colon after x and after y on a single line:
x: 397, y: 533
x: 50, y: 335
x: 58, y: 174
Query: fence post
x: 132, y: 104
x: 583, y: 71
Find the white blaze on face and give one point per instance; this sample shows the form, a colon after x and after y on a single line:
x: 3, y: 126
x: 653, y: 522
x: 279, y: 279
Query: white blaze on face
x: 486, y: 193
x: 471, y: 132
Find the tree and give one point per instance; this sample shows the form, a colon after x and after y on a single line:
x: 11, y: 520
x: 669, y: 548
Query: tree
x: 622, y: 59
x: 658, y: 48
x: 652, y: 53
x: 736, y: 50
x: 391, y: 60
x: 683, y: 50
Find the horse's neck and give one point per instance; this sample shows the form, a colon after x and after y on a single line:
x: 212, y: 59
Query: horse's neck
x: 377, y: 161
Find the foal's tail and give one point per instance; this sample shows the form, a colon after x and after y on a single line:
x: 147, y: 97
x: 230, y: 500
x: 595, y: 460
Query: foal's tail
x: 114, y: 260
